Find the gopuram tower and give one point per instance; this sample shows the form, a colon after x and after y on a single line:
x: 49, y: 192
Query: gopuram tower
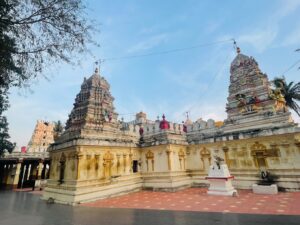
x: 93, y: 115
x: 251, y: 102
x: 93, y: 107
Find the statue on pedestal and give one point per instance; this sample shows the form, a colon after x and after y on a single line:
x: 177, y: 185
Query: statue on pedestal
x: 220, y: 179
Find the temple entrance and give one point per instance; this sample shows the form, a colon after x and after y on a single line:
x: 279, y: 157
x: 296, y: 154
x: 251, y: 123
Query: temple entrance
x: 134, y: 166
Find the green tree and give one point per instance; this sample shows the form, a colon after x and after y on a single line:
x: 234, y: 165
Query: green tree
x: 37, y: 33
x: 58, y: 127
x: 34, y: 35
x: 290, y: 91
x: 5, y: 144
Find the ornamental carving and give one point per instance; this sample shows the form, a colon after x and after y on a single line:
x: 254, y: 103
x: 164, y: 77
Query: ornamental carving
x: 108, y: 156
x: 181, y: 154
x: 150, y: 155
x: 257, y: 147
x: 204, y: 152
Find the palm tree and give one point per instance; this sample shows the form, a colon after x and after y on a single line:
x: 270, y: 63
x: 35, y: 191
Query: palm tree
x: 291, y: 92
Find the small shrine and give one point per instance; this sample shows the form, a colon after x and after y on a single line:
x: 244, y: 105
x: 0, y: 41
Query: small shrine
x: 220, y: 179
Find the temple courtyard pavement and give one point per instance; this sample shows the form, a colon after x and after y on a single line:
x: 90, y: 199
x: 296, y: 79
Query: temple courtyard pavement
x: 189, y: 206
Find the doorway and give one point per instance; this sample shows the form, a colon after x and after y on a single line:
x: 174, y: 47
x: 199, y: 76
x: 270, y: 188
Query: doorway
x: 135, y: 166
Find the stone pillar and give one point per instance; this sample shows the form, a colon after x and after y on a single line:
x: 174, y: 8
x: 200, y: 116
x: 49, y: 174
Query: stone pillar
x: 79, y: 164
x: 17, y: 175
x: 8, y: 173
x: 97, y: 165
x: 23, y: 168
x: 130, y: 162
x: 124, y: 162
x: 29, y: 167
x: 169, y: 159
x: 225, y: 150
x: 34, y: 171
x: 40, y: 169
x: 118, y: 163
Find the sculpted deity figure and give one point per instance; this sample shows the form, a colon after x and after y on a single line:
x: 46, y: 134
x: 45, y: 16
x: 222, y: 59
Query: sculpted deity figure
x: 247, y: 103
x: 280, y: 104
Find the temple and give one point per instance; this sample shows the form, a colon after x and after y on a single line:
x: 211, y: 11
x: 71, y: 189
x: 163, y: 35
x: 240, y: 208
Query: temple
x: 41, y: 138
x: 29, y: 168
x: 99, y: 156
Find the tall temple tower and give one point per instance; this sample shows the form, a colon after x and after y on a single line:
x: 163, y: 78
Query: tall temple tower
x: 93, y: 114
x: 251, y: 100
x: 93, y: 107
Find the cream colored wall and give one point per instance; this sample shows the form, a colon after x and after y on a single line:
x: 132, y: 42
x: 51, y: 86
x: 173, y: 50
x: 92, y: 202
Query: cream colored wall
x: 93, y: 162
x: 240, y: 152
x: 159, y: 159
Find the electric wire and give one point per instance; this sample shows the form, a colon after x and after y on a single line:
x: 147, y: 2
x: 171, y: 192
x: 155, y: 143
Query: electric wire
x: 164, y: 52
x: 291, y: 67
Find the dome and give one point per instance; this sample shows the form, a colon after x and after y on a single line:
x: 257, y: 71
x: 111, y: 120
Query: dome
x: 164, y: 124
x: 96, y: 80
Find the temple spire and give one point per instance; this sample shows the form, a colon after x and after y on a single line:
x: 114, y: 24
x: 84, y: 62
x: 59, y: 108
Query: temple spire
x: 98, y: 66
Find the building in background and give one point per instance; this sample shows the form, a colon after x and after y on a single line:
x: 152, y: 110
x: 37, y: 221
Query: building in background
x: 42, y: 137
x: 30, y: 167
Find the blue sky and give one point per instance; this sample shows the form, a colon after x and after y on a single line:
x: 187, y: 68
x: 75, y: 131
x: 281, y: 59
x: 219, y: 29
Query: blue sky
x: 195, y: 80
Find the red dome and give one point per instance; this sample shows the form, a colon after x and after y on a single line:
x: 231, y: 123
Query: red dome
x: 164, y: 124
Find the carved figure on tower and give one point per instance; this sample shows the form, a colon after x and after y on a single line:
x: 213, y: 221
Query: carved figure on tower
x: 280, y: 104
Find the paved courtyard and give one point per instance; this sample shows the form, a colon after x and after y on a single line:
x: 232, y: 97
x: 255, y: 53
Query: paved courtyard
x: 26, y: 208
x: 196, y: 199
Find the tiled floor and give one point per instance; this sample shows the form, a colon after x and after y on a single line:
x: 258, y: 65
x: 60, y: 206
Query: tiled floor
x: 196, y: 199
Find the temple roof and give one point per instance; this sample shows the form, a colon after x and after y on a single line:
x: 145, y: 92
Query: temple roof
x: 96, y: 80
x: 240, y: 58
x: 243, y: 61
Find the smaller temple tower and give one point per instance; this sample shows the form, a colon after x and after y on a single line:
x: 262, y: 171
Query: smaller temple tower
x: 41, y: 138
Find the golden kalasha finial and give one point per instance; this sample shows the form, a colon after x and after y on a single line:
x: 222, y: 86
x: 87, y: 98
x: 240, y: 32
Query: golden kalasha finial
x: 238, y: 50
x: 96, y: 70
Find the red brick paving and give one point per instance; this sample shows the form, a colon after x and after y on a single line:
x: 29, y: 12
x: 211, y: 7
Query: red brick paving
x: 196, y: 199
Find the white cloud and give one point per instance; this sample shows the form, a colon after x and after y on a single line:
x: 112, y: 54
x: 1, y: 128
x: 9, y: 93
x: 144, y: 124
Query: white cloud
x: 148, y: 43
x: 260, y: 39
x: 286, y: 8
x: 292, y: 38
x: 266, y: 32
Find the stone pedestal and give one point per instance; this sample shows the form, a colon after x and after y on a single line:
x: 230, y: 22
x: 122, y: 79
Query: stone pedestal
x: 220, y: 181
x: 265, y: 189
